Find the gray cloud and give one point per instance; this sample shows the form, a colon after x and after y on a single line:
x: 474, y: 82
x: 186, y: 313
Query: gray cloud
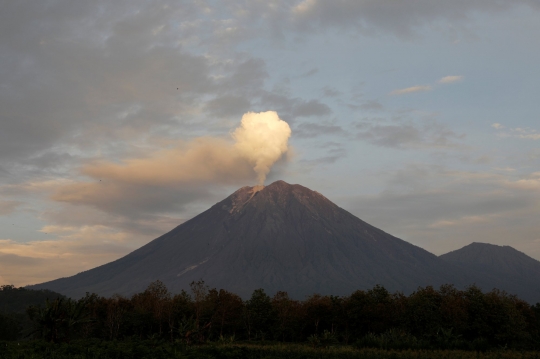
x: 71, y: 68
x: 329, y: 152
x: 247, y: 76
x: 330, y: 92
x: 426, y: 133
x: 309, y: 73
x: 399, y: 18
x: 292, y: 107
x: 312, y: 130
x: 310, y: 108
x: 228, y: 105
x: 372, y: 105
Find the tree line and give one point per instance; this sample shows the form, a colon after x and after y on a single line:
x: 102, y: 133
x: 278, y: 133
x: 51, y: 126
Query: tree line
x: 446, y: 318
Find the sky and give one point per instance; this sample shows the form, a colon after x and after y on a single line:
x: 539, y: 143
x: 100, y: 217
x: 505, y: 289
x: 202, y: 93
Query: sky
x: 120, y: 120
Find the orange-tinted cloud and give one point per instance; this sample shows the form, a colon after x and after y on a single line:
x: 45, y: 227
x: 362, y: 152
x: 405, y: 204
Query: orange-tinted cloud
x: 413, y: 89
x: 168, y: 178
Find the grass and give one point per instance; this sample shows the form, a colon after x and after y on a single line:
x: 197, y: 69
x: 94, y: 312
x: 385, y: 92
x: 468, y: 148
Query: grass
x: 94, y: 349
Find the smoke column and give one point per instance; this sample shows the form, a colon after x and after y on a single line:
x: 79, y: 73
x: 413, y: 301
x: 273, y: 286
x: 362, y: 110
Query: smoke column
x: 262, y: 139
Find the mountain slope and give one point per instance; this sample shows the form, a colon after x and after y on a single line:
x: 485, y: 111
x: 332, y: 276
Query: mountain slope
x: 279, y: 237
x: 501, y: 267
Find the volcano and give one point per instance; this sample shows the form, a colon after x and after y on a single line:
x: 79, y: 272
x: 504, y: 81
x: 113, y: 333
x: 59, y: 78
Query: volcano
x: 281, y: 237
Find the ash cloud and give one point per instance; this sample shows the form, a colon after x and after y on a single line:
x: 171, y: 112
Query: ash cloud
x: 262, y: 138
x: 168, y: 179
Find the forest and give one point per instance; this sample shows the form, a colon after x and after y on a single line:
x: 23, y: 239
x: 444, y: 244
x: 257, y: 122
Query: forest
x: 207, y: 322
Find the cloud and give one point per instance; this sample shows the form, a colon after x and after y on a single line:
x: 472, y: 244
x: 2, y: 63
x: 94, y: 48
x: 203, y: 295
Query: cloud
x: 526, y: 133
x: 518, y: 132
x: 531, y: 136
x: 312, y: 130
x: 450, y: 79
x: 228, y: 105
x: 309, y: 73
x: 330, y: 92
x: 529, y: 183
x: 293, y: 107
x: 332, y: 152
x: 413, y: 89
x: 8, y: 207
x: 310, y: 108
x: 427, y: 133
x: 424, y: 88
x: 464, y: 221
x: 372, y: 105
x: 398, y: 18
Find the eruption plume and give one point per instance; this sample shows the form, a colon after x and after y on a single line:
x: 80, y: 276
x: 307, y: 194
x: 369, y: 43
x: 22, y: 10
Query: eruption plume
x: 262, y: 139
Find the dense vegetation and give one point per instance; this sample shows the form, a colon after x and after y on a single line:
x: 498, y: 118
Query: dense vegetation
x: 364, y: 322
x: 13, y: 304
x: 16, y: 300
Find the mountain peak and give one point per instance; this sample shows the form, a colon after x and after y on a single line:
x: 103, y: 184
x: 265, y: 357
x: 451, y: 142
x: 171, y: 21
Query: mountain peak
x: 278, y: 194
x: 499, y: 264
x: 485, y: 253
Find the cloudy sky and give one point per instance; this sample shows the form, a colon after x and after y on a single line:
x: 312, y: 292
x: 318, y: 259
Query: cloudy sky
x: 121, y: 119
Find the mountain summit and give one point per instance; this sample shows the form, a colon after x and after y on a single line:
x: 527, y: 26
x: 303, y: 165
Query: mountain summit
x: 279, y: 237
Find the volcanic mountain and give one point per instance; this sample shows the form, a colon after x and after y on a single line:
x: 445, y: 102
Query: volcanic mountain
x: 500, y: 267
x: 280, y: 237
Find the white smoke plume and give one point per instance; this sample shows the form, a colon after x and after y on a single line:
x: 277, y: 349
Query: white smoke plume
x: 262, y: 138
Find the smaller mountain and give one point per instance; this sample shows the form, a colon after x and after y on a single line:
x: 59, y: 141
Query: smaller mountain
x: 500, y: 267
